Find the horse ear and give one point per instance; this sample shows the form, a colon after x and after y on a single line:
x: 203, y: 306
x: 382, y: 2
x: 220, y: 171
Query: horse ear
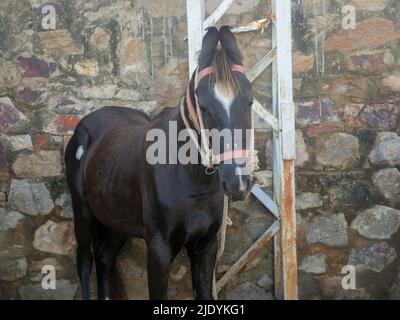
x: 208, y: 48
x: 228, y: 41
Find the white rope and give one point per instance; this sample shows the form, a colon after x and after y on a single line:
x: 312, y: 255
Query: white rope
x: 221, y: 247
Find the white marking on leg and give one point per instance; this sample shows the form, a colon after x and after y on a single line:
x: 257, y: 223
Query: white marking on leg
x: 79, y: 153
x: 225, y: 99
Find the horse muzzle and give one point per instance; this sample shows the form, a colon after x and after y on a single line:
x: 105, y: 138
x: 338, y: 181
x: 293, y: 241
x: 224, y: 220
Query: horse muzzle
x: 238, y: 189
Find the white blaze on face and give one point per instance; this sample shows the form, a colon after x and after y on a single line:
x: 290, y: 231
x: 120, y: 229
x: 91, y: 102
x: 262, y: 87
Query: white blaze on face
x: 79, y: 153
x: 224, y: 98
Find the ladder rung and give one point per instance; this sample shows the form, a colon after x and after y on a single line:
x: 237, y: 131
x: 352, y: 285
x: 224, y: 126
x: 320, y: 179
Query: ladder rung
x: 265, y: 115
x: 265, y: 199
x: 261, y: 65
x: 249, y: 254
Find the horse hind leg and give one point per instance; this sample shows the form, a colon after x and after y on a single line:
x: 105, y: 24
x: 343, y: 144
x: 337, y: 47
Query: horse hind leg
x: 84, y: 220
x: 106, y: 248
x: 84, y: 233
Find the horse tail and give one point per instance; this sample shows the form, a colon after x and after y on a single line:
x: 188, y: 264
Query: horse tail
x: 117, y: 288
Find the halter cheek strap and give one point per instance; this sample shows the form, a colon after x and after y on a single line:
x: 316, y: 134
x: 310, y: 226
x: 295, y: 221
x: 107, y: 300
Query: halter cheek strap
x: 208, y: 157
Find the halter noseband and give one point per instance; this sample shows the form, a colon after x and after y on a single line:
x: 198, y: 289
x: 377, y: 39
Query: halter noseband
x: 207, y: 155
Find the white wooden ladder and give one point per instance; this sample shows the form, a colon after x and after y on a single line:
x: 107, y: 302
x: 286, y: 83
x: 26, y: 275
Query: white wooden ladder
x: 282, y: 204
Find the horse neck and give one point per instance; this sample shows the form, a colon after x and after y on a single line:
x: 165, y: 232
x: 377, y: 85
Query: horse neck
x: 192, y: 171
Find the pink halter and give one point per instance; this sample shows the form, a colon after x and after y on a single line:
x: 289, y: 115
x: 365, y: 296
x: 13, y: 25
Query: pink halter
x: 194, y: 115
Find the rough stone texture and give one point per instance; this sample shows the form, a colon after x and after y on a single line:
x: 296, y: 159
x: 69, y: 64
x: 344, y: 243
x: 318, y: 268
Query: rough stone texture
x: 131, y: 56
x: 30, y: 198
x: 31, y: 96
x: 65, y: 290
x: 87, y: 68
x: 13, y: 265
x: 67, y: 104
x: 339, y: 150
x: 347, y: 192
x: 302, y: 155
x: 265, y: 282
x: 264, y: 178
x: 100, y: 38
x: 371, y: 32
x: 9, y: 115
x: 55, y: 237
x: 376, y: 5
x: 302, y: 63
x: 21, y: 142
x: 392, y: 83
x: 64, y: 201
x: 387, y: 181
x: 332, y: 289
x: 248, y: 291
x: 320, y: 112
x: 313, y: 264
x: 35, y: 268
x: 329, y: 230
x: 378, y: 116
x: 10, y: 74
x: 38, y: 165
x: 370, y: 62
x: 104, y: 91
x: 4, y: 171
x: 386, y: 149
x: 9, y: 219
x: 61, y: 124
x: 394, y: 290
x: 375, y: 257
x: 378, y: 222
x: 34, y: 67
x: 308, y: 200
x: 59, y: 42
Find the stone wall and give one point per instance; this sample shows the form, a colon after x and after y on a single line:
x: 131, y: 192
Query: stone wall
x: 133, y: 53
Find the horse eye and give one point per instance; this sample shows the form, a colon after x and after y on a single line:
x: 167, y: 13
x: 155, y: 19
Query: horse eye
x: 251, y: 102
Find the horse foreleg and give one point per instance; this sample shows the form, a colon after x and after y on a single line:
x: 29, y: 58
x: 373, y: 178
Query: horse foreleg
x: 158, y: 263
x: 202, y: 265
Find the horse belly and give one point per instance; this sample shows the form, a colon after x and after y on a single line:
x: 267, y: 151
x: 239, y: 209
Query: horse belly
x: 121, y: 221
x: 121, y: 213
x: 112, y: 190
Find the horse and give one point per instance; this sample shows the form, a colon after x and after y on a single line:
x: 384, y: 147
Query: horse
x: 116, y: 193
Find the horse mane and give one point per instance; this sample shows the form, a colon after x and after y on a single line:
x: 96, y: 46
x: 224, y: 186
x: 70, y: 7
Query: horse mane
x: 223, y: 76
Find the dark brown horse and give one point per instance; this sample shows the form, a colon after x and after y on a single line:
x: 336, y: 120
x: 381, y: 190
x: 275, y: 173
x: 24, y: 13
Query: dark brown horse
x: 118, y: 193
